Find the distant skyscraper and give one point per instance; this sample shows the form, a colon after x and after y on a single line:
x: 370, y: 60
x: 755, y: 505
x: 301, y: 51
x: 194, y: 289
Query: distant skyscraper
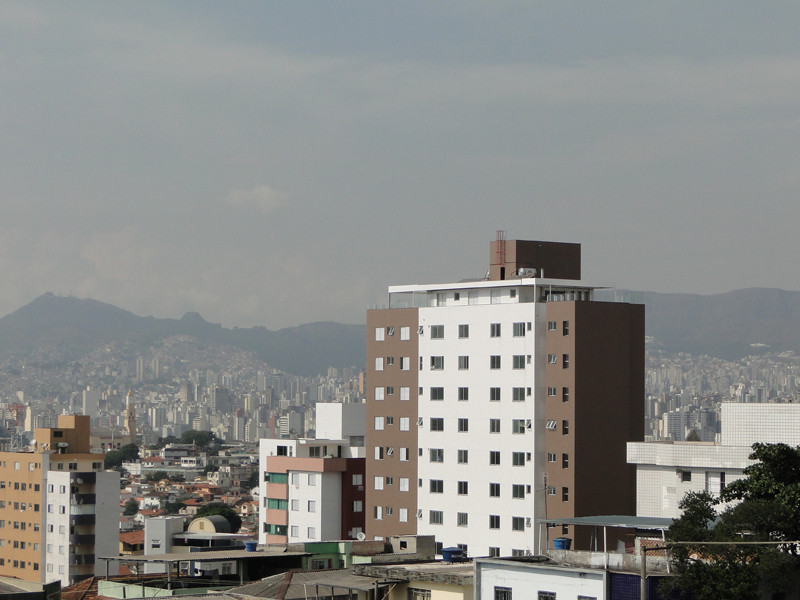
x: 130, y: 417
x: 494, y: 403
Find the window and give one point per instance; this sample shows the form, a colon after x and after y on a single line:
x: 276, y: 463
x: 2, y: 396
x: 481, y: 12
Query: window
x: 552, y: 326
x: 390, y: 361
x: 379, y: 363
x: 436, y: 486
x: 437, y: 363
x: 494, y: 425
x: 405, y: 333
x: 463, y: 424
x: 502, y: 593
x: 494, y: 457
x: 312, y: 506
x: 437, y: 332
x: 494, y: 551
x: 378, y: 423
x: 565, y: 327
x: 564, y: 427
x: 404, y: 393
x: 518, y: 459
x: 519, y: 329
x: 463, y: 363
x: 390, y: 330
x: 377, y: 512
x: 518, y: 361
x: 436, y: 517
x: 312, y: 479
x: 463, y: 457
x: 379, y: 334
x: 358, y: 479
x: 494, y: 521
x: 295, y: 505
x: 463, y: 331
x: 378, y: 482
x: 552, y: 359
x: 494, y: 490
x: 518, y: 394
x: 517, y: 523
x: 518, y: 426
x: 463, y: 394
x: 552, y: 391
x: 565, y: 361
x: 564, y: 494
x: 686, y: 476
x: 517, y: 491
x: 494, y: 394
x: 551, y: 457
x: 404, y: 423
x: 546, y: 596
x: 551, y: 490
x: 494, y: 330
x: 565, y: 394
x: 403, y: 454
x: 437, y: 393
x: 402, y: 484
x: 551, y: 425
x: 436, y: 455
x: 565, y: 461
x: 494, y: 362
x: 378, y: 452
x: 402, y: 515
x: 463, y: 488
x: 437, y: 424
x: 462, y: 519
x: 416, y: 594
x: 405, y: 364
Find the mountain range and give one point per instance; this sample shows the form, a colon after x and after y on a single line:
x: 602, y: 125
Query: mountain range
x: 730, y: 326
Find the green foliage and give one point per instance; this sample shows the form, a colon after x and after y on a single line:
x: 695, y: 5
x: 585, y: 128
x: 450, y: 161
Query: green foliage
x: 131, y: 507
x: 156, y: 476
x: 130, y: 452
x: 202, y: 439
x: 220, y: 508
x: 177, y: 478
x: 252, y: 481
x: 173, y: 508
x: 113, y: 459
x: 769, y: 510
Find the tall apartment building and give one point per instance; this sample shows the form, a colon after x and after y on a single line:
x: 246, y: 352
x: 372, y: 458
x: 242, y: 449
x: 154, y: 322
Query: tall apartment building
x: 493, y: 404
x: 57, y: 507
x: 313, y: 489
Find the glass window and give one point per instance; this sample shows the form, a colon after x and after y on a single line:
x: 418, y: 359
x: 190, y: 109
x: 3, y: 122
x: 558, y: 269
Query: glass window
x: 437, y: 332
x: 494, y: 361
x: 463, y: 331
x: 494, y: 330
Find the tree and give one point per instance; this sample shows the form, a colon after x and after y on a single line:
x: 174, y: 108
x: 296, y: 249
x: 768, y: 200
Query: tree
x: 113, y: 459
x: 220, y: 508
x: 130, y: 452
x: 201, y: 439
x: 768, y: 511
x: 131, y: 507
x: 252, y: 481
x: 156, y: 476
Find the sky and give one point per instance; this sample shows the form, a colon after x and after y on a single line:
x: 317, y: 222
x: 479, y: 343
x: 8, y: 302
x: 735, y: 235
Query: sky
x: 280, y: 163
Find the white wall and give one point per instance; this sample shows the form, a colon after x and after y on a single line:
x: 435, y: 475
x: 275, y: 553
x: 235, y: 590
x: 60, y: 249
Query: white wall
x: 526, y: 580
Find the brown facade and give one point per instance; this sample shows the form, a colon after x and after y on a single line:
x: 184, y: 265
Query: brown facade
x: 554, y: 260
x: 384, y: 447
x: 597, y: 402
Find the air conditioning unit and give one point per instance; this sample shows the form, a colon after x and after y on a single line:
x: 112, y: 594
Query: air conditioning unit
x: 390, y: 330
x: 419, y: 513
x: 420, y: 421
x: 420, y: 330
x: 551, y: 425
x: 528, y: 424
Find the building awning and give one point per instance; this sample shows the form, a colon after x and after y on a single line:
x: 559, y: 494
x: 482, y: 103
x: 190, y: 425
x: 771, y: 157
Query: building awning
x: 623, y: 521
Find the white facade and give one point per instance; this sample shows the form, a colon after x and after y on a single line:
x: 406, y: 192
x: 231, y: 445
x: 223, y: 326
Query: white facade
x: 507, y: 579
x: 465, y: 497
x: 667, y: 471
x: 340, y: 421
x: 70, y: 543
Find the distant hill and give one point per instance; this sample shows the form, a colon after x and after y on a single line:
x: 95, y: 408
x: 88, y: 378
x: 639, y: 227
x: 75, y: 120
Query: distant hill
x: 731, y: 325
x: 72, y: 327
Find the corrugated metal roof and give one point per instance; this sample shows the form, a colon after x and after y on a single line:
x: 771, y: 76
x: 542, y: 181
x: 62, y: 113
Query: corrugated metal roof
x: 216, y: 555
x: 615, y: 521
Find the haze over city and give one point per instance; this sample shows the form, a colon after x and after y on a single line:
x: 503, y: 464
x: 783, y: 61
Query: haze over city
x: 273, y: 164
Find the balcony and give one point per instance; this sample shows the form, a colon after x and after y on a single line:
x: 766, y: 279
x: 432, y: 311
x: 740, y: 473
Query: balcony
x: 82, y: 519
x: 83, y: 499
x: 84, y: 509
x: 82, y: 539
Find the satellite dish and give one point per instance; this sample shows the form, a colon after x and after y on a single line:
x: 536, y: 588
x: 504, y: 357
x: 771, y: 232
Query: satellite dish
x: 361, y: 536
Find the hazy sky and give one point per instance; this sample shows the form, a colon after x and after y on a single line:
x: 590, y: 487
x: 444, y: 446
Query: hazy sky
x: 276, y: 163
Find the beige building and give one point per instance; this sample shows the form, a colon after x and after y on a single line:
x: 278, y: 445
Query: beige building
x: 55, y: 498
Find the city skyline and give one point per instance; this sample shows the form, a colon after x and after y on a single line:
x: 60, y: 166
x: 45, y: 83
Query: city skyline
x: 245, y: 162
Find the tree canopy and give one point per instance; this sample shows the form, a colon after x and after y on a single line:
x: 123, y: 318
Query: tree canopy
x: 768, y: 510
x: 202, y: 439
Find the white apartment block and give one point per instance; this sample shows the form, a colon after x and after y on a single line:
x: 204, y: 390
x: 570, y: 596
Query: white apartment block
x: 667, y: 471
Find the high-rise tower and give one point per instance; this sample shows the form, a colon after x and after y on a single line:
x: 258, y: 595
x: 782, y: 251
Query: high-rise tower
x: 130, y: 417
x: 493, y: 404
